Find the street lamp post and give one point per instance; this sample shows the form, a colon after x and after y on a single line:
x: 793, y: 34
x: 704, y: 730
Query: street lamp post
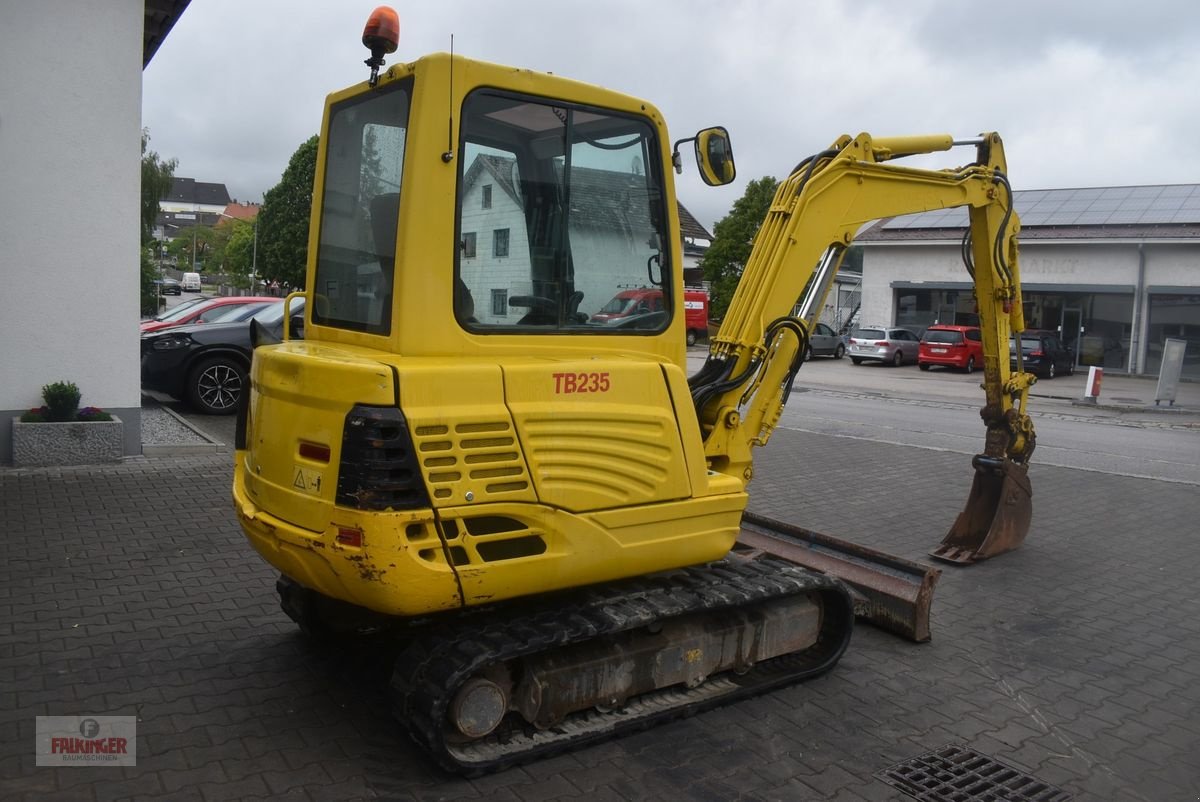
x: 254, y: 257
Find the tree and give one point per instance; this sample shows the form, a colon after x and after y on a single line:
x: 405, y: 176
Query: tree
x: 239, y: 252
x: 207, y: 242
x: 157, y: 176
x: 733, y: 238
x: 283, y: 220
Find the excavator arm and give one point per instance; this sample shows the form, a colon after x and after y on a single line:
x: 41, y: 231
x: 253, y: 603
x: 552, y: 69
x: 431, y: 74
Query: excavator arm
x: 740, y: 392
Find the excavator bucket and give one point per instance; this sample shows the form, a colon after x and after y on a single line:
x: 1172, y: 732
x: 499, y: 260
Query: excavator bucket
x: 996, y: 518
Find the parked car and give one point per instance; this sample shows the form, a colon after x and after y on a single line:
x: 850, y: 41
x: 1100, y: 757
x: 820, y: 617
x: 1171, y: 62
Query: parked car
x: 191, y: 282
x: 1043, y: 354
x: 168, y: 286
x: 207, y: 365
x: 824, y: 341
x: 952, y: 346
x: 200, y: 310
x: 891, y: 345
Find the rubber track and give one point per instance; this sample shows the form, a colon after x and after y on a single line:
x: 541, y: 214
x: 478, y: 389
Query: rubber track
x: 434, y: 664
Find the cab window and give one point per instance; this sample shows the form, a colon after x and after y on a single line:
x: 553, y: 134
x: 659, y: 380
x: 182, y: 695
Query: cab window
x: 566, y: 210
x: 356, y: 248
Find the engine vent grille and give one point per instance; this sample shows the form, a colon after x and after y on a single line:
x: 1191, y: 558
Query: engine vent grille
x: 485, y: 453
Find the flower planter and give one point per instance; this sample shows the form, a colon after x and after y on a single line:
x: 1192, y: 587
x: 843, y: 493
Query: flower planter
x: 72, y: 443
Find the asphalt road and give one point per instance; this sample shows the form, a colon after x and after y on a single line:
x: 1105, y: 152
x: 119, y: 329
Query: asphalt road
x: 1165, y: 449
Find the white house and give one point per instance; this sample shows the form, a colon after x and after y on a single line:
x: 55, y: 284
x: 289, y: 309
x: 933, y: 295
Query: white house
x: 494, y: 231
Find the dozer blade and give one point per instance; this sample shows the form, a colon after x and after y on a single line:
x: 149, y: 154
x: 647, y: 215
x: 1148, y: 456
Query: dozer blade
x: 996, y: 518
x: 889, y: 592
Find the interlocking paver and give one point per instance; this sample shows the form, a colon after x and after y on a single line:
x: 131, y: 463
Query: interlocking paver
x: 1076, y: 657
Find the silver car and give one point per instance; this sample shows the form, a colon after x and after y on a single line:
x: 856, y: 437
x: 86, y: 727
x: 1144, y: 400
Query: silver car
x: 888, y: 344
x: 824, y: 341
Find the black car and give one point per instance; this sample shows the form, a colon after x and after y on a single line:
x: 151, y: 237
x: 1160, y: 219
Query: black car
x: 168, y: 286
x: 1043, y: 354
x: 207, y: 365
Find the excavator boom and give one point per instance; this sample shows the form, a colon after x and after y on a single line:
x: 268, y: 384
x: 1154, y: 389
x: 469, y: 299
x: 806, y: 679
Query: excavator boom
x: 814, y: 216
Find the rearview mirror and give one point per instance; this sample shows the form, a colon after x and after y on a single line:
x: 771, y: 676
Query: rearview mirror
x: 714, y: 156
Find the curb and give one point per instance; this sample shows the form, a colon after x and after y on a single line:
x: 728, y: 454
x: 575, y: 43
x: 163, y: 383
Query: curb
x: 1166, y: 410
x: 210, y: 446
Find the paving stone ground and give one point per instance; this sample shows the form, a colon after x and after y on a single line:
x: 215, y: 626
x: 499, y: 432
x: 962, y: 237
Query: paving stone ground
x: 129, y: 590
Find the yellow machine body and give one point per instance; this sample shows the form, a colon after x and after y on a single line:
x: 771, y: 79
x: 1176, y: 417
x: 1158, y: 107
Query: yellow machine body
x: 527, y: 447
x: 550, y: 461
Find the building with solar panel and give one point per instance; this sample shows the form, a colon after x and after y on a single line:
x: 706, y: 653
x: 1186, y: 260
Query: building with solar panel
x: 1116, y: 270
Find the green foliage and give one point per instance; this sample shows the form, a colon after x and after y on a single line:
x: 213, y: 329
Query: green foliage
x: 239, y: 249
x: 207, y: 243
x: 148, y: 298
x: 62, y: 400
x: 733, y: 239
x: 62, y: 406
x: 283, y: 221
x: 157, y: 176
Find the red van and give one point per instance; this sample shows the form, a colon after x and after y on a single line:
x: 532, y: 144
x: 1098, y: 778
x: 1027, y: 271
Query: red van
x: 952, y: 346
x: 643, y: 300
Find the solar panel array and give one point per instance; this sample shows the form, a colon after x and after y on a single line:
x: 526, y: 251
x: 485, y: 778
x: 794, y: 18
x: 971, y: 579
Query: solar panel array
x: 1099, y: 206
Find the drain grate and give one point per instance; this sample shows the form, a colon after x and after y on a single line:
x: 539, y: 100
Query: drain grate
x: 954, y: 773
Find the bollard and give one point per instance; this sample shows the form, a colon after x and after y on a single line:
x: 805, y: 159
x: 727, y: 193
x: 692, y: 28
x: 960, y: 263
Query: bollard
x: 1091, y: 391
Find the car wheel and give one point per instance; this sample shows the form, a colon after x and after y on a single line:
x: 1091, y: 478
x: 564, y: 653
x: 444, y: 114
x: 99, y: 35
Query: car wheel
x: 856, y: 360
x: 1051, y: 372
x: 1071, y: 369
x: 923, y: 365
x: 808, y: 354
x: 215, y: 385
x: 898, y: 359
x: 691, y: 337
x: 970, y: 364
x: 839, y: 352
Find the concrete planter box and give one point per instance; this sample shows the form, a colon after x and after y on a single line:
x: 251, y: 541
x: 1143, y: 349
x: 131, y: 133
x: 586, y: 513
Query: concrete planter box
x: 73, y: 443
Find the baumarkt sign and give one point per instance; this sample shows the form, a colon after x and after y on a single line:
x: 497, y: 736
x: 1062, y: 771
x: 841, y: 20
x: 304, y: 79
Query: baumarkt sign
x: 86, y: 741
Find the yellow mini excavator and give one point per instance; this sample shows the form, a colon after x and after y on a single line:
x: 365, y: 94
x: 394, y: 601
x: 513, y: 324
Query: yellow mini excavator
x: 459, y: 442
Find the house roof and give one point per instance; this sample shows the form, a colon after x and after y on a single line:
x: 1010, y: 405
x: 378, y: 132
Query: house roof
x: 243, y: 211
x: 160, y: 17
x: 189, y: 190
x: 690, y: 226
x: 601, y: 195
x: 1158, y: 211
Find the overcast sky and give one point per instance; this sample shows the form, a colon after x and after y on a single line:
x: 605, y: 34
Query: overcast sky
x: 1101, y: 93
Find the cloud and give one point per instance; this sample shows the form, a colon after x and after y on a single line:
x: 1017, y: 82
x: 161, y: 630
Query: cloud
x: 1083, y: 95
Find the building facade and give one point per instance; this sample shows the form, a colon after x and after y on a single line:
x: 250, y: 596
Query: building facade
x: 74, y: 289
x: 1114, y: 270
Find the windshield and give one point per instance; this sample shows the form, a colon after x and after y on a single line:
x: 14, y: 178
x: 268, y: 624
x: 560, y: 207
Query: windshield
x: 1027, y: 344
x: 182, y: 310
x: 561, y: 207
x: 360, y: 210
x: 236, y: 313
x: 616, y: 306
x: 274, y: 312
x: 869, y: 334
x: 942, y: 336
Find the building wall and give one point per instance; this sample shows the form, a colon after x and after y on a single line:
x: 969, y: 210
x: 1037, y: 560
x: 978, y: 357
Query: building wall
x: 1112, y: 270
x: 70, y: 149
